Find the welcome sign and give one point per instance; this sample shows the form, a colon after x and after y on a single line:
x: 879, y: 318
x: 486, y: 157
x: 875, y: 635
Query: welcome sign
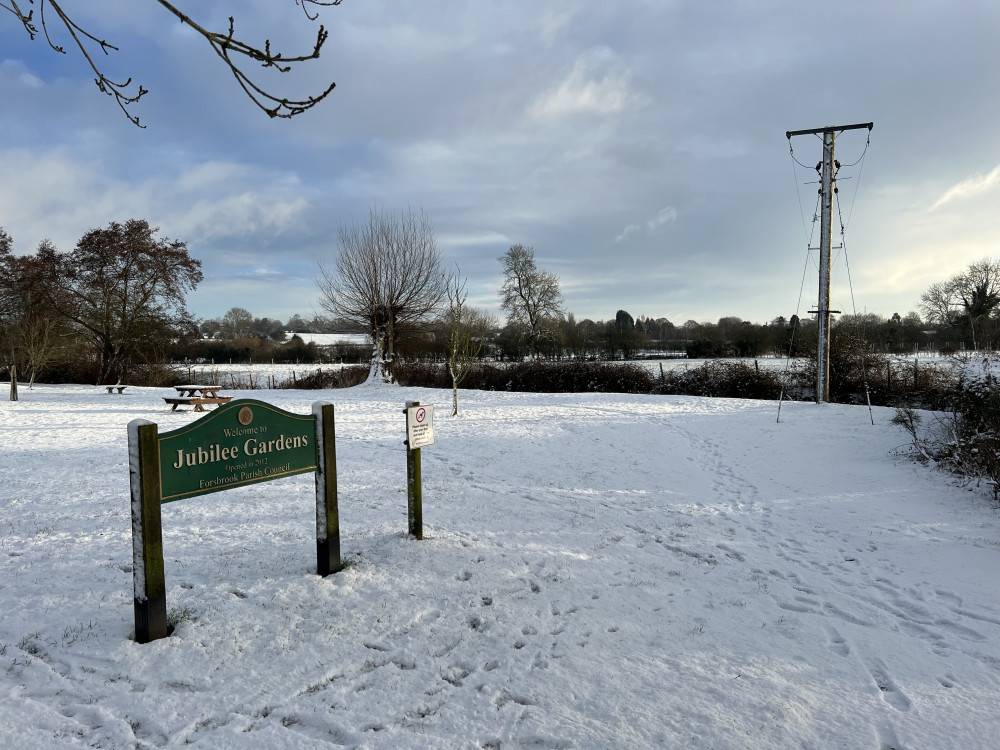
x: 242, y: 442
x: 238, y: 444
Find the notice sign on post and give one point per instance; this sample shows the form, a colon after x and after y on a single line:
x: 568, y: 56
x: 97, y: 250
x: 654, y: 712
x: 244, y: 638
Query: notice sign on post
x: 420, y: 426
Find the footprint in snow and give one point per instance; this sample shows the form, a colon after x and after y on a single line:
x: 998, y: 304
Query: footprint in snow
x: 837, y: 642
x: 891, y: 694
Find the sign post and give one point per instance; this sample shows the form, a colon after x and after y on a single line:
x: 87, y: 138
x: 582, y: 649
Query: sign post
x: 240, y: 443
x: 327, y: 511
x: 419, y: 432
x: 149, y: 595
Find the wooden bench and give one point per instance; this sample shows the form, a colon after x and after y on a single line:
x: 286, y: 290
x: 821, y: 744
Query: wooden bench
x: 196, y: 401
x: 120, y: 388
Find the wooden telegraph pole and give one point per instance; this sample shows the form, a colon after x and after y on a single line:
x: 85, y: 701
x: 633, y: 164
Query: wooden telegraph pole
x: 827, y: 189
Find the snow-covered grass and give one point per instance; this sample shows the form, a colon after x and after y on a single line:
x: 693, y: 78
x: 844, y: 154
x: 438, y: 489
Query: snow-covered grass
x: 262, y: 374
x: 598, y: 571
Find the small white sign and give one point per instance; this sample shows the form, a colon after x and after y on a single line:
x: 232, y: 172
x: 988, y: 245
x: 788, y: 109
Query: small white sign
x: 420, y: 426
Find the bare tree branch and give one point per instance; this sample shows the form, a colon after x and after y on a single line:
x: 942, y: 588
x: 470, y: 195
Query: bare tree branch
x: 233, y: 51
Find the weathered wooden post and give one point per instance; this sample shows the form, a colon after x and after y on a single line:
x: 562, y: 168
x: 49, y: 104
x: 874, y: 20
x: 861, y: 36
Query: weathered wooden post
x: 149, y: 589
x: 419, y: 432
x: 327, y: 510
x: 414, y: 489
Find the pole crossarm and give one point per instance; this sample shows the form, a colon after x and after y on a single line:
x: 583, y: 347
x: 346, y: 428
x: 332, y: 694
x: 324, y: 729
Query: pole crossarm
x: 830, y: 129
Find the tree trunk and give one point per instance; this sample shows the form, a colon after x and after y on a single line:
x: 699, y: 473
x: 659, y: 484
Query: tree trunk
x: 381, y: 370
x: 374, y: 369
x: 454, y: 390
x: 13, y: 382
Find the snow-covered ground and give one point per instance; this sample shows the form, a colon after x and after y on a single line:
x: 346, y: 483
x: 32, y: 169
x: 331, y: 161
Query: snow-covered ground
x: 265, y: 373
x: 598, y: 571
x: 331, y: 339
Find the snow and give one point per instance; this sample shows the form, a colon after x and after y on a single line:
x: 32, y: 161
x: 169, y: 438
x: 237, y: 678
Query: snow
x: 332, y: 339
x: 597, y: 571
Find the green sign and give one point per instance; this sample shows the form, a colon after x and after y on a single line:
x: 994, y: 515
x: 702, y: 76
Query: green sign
x: 242, y: 442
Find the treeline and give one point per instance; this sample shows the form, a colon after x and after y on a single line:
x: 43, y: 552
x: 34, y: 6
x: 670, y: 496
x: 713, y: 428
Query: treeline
x: 241, y: 337
x: 113, y: 310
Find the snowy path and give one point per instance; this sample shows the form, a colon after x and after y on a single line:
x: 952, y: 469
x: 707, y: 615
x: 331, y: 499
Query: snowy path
x: 597, y: 572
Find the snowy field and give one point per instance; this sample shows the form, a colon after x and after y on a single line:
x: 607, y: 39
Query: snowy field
x: 263, y: 373
x: 598, y: 571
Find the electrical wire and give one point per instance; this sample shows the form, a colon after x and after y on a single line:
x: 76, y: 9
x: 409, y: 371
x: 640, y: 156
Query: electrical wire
x: 854, y: 307
x: 857, y: 184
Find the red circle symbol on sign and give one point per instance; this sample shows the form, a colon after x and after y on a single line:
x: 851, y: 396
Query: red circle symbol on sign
x: 421, y: 413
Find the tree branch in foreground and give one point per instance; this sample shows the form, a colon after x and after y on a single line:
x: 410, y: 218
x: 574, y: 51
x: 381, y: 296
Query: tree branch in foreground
x: 234, y: 52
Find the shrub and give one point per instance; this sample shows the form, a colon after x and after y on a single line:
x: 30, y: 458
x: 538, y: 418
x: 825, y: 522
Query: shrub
x: 859, y: 375
x: 721, y: 380
x: 343, y: 377
x: 535, y: 377
x: 965, y: 438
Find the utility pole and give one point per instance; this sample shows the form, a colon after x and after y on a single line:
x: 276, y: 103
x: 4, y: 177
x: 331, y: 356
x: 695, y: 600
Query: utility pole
x: 826, y: 190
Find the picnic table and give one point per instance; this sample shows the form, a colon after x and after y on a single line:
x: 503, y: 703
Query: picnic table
x: 197, y: 396
x: 119, y: 388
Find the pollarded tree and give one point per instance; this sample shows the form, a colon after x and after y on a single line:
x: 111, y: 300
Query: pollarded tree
x: 233, y: 51
x: 123, y: 290
x: 530, y: 296
x: 387, y: 277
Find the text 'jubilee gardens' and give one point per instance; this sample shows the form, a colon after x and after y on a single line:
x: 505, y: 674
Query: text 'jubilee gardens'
x: 252, y: 446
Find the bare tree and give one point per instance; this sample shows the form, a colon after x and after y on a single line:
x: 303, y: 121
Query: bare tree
x: 968, y: 298
x: 234, y: 52
x: 530, y: 296
x: 387, y: 277
x: 467, y: 330
x: 939, y: 305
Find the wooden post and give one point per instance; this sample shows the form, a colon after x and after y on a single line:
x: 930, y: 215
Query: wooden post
x: 414, y: 491
x: 823, y: 311
x: 327, y: 511
x: 149, y: 588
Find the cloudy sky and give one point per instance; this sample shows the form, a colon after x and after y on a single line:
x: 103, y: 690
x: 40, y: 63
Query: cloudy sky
x: 638, y: 146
